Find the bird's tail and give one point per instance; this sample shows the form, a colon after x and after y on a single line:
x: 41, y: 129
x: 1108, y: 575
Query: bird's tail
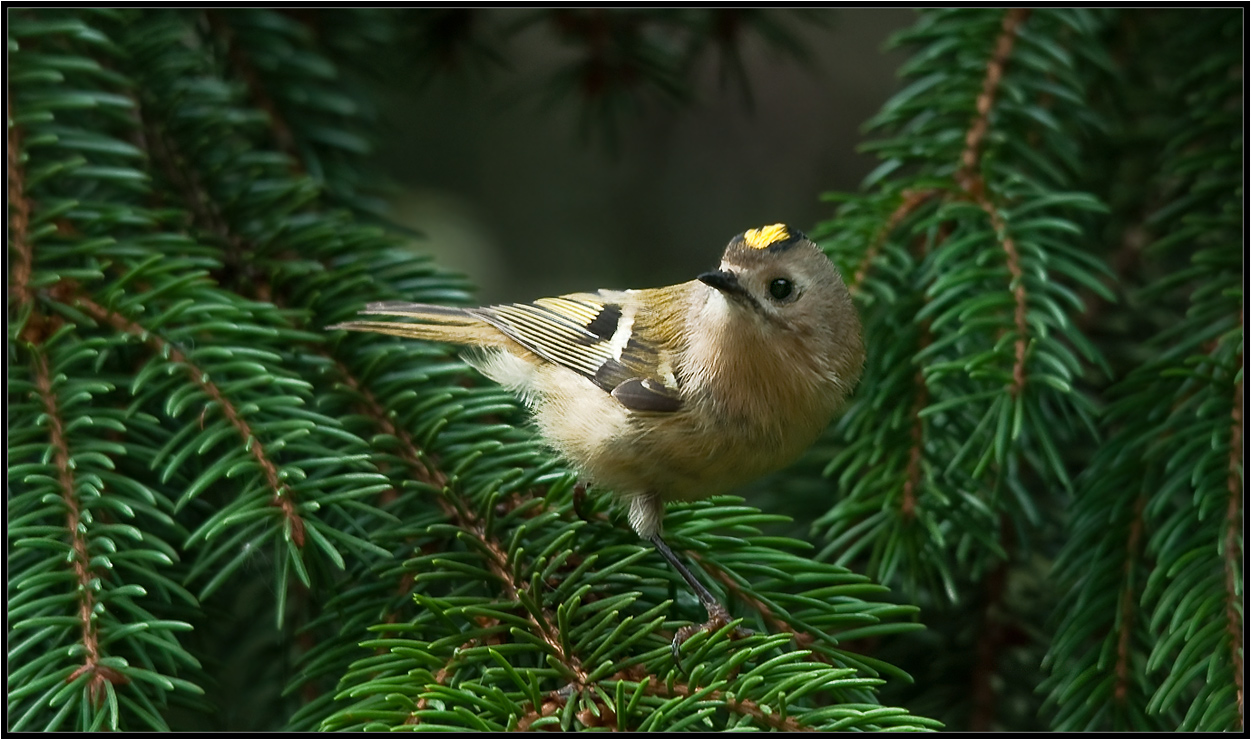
x: 438, y: 324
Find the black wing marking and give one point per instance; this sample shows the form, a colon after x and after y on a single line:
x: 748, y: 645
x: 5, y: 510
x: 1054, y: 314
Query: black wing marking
x: 557, y: 329
x: 605, y: 323
x: 645, y: 394
x: 584, y: 332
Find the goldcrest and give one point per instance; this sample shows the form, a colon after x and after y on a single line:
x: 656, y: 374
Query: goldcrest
x: 674, y: 393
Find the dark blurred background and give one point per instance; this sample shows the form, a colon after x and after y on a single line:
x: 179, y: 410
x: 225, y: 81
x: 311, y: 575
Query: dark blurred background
x: 528, y: 201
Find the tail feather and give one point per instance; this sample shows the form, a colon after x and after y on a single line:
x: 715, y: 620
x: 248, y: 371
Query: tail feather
x: 440, y: 324
x: 425, y: 311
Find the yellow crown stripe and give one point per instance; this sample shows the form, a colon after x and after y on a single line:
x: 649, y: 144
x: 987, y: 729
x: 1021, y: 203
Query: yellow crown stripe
x: 761, y: 238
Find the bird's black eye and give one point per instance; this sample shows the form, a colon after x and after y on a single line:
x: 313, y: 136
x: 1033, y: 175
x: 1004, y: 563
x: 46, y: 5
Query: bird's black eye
x: 780, y: 288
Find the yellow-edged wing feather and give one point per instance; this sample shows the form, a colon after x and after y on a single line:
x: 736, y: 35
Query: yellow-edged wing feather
x: 597, y: 335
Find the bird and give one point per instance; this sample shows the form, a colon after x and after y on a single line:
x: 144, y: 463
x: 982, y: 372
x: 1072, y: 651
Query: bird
x: 675, y: 393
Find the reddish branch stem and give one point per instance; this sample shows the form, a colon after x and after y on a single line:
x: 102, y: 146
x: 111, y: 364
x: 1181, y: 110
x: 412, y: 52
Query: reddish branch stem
x: 802, y: 639
x: 732, y: 587
x: 65, y: 478
x: 19, y: 218
x: 498, y: 562
x: 282, y: 497
x: 1018, y: 294
x: 910, y: 201
x: 916, y: 450
x: 409, y: 451
x: 543, y: 621
x: 81, y: 564
x: 22, y: 295
x: 657, y: 687
x: 970, y: 179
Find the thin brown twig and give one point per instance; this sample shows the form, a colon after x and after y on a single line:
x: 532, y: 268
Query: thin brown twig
x: 732, y: 587
x: 23, y: 295
x: 656, y: 687
x: 19, y: 218
x: 99, y: 674
x: 498, y: 562
x: 968, y: 176
x: 916, y: 448
x: 441, y: 676
x: 803, y: 639
x: 910, y: 200
x: 543, y: 622
x: 917, y: 445
x: 1018, y: 294
x: 282, y: 494
x: 410, y: 453
x: 970, y: 179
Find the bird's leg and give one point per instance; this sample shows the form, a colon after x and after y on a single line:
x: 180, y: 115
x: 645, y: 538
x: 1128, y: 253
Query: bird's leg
x: 718, y: 615
x: 579, y: 498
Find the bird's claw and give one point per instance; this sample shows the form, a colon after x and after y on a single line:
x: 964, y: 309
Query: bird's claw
x: 718, y: 617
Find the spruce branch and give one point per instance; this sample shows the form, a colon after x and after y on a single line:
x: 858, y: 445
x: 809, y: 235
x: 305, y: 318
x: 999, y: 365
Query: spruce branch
x: 190, y: 206
x: 220, y: 25
x: 97, y: 674
x: 988, y: 335
x: 1153, y: 571
x: 970, y: 179
x: 282, y: 497
x: 909, y: 201
x: 19, y: 219
x: 961, y: 255
x: 969, y: 176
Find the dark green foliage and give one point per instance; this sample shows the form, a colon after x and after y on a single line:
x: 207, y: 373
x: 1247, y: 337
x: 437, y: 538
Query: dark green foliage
x: 223, y: 517
x: 968, y: 260
x: 1156, y: 560
x: 981, y: 256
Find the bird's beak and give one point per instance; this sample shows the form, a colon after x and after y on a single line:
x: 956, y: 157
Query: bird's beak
x: 726, y: 282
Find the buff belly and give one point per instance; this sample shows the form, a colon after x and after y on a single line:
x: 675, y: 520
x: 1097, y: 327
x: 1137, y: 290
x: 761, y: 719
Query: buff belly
x: 676, y: 456
x: 673, y: 455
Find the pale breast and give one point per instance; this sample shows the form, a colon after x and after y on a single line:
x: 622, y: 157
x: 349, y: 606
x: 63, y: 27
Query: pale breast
x: 722, y: 437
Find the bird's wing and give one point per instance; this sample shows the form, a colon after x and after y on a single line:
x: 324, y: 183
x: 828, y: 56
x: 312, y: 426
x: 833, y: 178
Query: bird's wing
x: 596, y: 336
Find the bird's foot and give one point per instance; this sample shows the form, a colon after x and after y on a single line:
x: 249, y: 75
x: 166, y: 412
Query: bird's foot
x: 718, y: 617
